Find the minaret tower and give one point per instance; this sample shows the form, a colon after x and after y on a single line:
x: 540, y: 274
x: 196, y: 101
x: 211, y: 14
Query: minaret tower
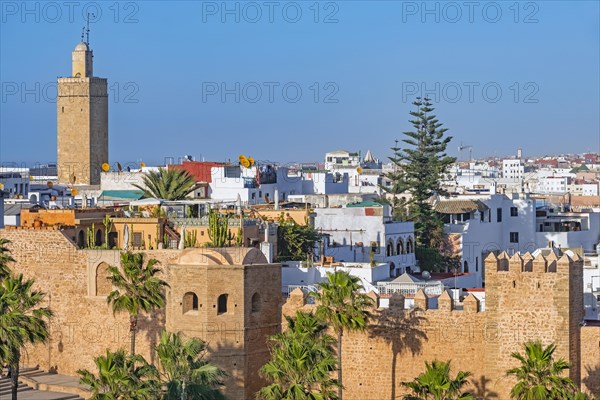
x: 82, y: 121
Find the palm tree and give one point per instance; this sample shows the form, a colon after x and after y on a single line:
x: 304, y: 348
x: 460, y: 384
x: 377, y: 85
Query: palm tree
x: 168, y: 184
x: 435, y: 383
x: 21, y: 321
x: 121, y: 376
x: 185, y: 371
x: 301, y: 363
x: 5, y: 258
x: 342, y: 306
x: 539, y: 375
x: 138, y: 289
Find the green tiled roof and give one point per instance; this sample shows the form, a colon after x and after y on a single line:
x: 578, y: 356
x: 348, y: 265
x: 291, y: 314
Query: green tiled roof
x: 365, y: 204
x: 123, y: 194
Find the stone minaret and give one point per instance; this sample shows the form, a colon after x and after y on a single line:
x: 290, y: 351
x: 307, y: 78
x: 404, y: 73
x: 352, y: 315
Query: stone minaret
x: 82, y: 121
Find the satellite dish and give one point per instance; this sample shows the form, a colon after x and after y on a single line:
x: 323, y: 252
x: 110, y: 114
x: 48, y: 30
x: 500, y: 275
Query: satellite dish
x: 105, y: 167
x: 426, y: 275
x: 119, y: 167
x: 74, y: 192
x: 142, y: 164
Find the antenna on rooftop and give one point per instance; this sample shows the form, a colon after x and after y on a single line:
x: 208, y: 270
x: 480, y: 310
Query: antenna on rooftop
x: 86, y: 28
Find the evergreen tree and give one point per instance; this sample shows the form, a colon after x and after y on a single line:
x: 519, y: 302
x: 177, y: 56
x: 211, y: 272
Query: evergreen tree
x: 419, y: 166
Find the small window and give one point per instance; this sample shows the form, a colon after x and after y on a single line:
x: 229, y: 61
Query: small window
x: 514, y: 212
x: 514, y: 237
x: 222, y: 304
x: 498, y: 215
x: 190, y: 302
x: 137, y: 239
x: 255, y: 302
x: 253, y: 196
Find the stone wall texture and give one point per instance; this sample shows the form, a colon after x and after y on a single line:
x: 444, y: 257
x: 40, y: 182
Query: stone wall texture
x: 84, y: 326
x: 527, y: 298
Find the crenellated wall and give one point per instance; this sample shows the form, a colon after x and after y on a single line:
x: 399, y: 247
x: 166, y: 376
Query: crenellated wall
x: 527, y: 298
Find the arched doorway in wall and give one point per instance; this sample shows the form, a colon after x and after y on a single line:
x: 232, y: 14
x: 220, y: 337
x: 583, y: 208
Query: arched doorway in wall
x: 392, y: 269
x: 465, y: 267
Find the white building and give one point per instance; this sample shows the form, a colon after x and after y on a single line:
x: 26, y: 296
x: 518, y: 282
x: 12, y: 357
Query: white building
x: 365, y: 176
x: 553, y: 185
x: 341, y: 159
x: 365, y: 233
x: 583, y: 189
x: 15, y: 182
x: 515, y: 224
x: 513, y: 169
x: 591, y: 284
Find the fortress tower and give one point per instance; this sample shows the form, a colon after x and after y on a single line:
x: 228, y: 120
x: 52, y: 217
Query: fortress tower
x: 535, y: 296
x: 231, y: 299
x: 82, y: 119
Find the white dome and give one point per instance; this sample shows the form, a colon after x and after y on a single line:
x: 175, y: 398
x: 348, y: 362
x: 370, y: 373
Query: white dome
x: 82, y: 46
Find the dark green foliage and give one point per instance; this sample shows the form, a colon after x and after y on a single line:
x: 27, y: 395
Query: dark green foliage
x: 539, y: 376
x: 22, y: 321
x: 435, y: 383
x: 5, y: 258
x: 182, y: 361
x: 343, y: 306
x: 137, y: 289
x: 168, y: 184
x: 419, y: 166
x: 295, y: 242
x: 122, y: 377
x: 302, y: 360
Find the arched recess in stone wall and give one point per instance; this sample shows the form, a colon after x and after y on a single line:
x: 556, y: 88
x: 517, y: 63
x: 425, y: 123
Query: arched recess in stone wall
x: 103, y: 285
x: 190, y: 302
x: 256, y: 302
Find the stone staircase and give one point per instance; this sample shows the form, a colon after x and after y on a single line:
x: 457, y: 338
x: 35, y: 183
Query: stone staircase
x: 25, y: 392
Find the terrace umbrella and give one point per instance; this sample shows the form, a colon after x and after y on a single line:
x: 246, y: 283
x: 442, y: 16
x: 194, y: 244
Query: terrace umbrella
x: 126, y: 237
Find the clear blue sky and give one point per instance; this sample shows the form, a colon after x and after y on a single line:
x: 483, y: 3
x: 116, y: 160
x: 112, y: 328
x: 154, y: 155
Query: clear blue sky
x: 165, y: 60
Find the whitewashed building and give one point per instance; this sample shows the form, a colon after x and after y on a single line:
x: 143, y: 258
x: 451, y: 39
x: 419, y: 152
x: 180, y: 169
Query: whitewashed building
x: 365, y: 232
x: 513, y: 169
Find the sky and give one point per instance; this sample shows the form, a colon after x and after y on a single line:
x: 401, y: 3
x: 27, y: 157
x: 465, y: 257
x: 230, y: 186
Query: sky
x: 289, y: 81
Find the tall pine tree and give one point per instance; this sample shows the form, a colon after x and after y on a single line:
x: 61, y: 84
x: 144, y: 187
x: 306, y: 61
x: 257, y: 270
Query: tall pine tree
x: 419, y: 166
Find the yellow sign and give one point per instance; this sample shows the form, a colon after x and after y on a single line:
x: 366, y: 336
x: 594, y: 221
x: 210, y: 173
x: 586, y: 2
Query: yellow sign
x: 105, y: 167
